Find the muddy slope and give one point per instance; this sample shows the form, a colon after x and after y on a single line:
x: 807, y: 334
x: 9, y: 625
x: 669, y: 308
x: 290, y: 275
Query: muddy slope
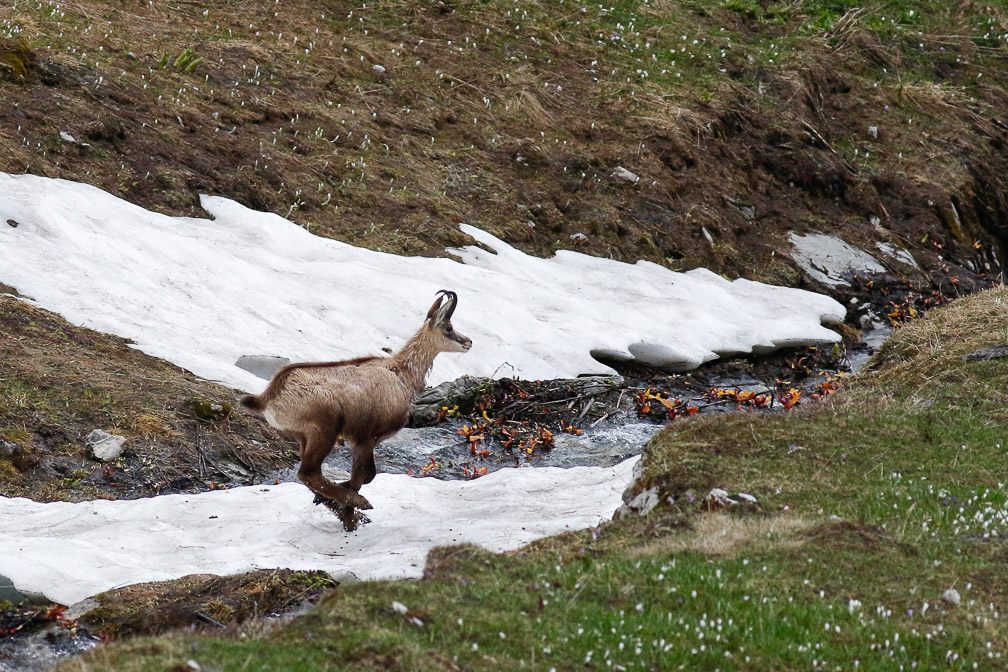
x: 58, y: 383
x: 384, y: 126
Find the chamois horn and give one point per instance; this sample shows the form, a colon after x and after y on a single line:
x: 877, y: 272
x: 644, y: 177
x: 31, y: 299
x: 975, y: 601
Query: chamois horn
x: 452, y: 301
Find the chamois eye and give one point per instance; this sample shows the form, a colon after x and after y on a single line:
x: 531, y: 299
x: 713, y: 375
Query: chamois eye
x: 448, y: 329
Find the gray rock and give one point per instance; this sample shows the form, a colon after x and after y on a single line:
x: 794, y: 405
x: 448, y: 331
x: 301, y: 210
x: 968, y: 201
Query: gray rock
x: 424, y: 411
x: 827, y: 259
x: 8, y: 450
x: 104, y: 446
x: 263, y: 366
x: 78, y: 609
x: 639, y: 504
x: 8, y: 593
x: 986, y: 354
x: 621, y: 174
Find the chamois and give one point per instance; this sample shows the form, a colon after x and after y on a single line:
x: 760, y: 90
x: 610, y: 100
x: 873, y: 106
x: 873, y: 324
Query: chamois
x: 364, y: 400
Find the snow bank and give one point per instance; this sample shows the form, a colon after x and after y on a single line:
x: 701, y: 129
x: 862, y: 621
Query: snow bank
x: 68, y: 552
x: 201, y: 293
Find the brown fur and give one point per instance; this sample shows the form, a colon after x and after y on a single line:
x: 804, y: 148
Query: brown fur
x: 363, y: 400
x: 258, y: 402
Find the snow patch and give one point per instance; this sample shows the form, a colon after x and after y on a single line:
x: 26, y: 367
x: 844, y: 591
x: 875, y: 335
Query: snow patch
x: 202, y: 293
x: 68, y: 552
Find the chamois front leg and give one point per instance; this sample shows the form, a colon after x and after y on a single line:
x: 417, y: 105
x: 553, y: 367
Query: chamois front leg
x: 364, y: 469
x: 363, y: 472
x: 336, y: 497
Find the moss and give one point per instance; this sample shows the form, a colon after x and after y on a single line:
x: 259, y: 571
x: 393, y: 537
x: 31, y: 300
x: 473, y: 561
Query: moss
x: 210, y: 411
x: 16, y: 59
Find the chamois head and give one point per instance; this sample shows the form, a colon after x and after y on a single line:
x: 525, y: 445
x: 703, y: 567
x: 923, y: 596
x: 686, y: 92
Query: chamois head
x: 439, y: 325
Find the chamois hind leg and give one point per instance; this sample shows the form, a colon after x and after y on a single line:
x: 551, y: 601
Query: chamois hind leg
x: 318, y: 446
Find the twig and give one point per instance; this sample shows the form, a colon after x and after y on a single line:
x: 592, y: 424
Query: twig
x: 206, y: 619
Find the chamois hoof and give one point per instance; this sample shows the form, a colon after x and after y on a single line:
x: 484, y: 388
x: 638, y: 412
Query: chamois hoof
x: 358, y: 502
x: 352, y: 518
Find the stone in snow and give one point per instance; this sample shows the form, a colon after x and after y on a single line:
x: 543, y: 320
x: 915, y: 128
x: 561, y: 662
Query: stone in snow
x: 262, y: 366
x: 104, y: 446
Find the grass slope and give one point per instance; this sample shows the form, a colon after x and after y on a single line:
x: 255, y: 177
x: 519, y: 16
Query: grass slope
x: 385, y: 124
x: 872, y: 506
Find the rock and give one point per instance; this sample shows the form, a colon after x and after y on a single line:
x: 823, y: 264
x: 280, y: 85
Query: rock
x: 379, y: 72
x: 78, y: 609
x: 827, y: 259
x: 263, y: 366
x: 104, y: 446
x: 335, y: 474
x: 718, y: 499
x: 621, y: 174
x: 873, y: 132
x: 987, y: 354
x: 236, y: 472
x: 639, y: 504
x: 8, y: 450
x: 897, y: 253
x: 952, y: 597
x: 8, y: 593
x: 425, y: 409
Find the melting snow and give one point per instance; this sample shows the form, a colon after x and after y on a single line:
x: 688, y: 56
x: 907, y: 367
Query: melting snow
x: 68, y: 552
x: 202, y: 293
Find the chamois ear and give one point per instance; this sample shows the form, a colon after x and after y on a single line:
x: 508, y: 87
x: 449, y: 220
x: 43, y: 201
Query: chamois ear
x: 434, y: 309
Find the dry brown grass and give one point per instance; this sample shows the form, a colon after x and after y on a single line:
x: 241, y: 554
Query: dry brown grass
x: 722, y: 534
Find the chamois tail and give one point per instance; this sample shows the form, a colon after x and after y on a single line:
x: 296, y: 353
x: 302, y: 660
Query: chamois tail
x: 253, y: 402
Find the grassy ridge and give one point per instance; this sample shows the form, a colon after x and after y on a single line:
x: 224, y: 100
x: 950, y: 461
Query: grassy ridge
x: 872, y: 505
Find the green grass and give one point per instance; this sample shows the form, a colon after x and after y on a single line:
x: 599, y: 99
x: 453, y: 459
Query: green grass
x: 872, y: 505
